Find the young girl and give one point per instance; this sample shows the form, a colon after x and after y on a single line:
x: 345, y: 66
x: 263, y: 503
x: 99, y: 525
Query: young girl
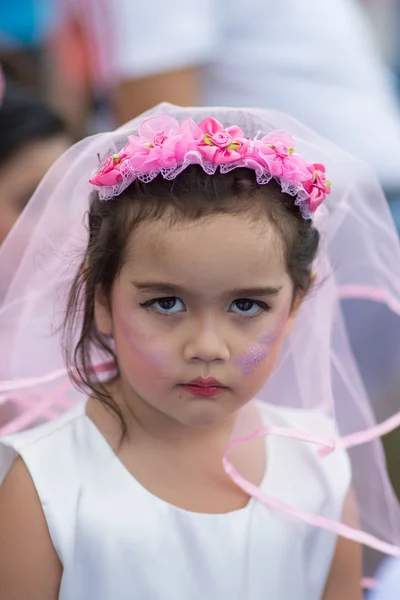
x: 201, y: 268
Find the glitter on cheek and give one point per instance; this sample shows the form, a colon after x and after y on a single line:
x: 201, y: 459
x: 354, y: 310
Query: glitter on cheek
x: 258, y: 352
x: 255, y: 356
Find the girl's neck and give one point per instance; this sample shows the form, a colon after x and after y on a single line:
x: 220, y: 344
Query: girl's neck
x: 179, y: 464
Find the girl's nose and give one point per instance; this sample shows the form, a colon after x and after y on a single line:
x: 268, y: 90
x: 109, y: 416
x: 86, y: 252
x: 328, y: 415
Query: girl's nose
x: 206, y: 344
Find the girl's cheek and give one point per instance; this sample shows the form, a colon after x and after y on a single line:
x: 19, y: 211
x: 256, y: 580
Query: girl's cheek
x: 139, y: 346
x: 265, y: 348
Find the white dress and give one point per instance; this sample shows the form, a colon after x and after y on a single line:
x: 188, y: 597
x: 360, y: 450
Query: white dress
x: 389, y: 581
x: 117, y: 541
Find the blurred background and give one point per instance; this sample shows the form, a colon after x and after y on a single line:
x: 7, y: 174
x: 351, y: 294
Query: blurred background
x: 97, y: 63
x: 74, y: 67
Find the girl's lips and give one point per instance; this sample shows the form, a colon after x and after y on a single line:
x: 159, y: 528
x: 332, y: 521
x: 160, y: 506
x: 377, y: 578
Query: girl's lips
x: 205, y: 391
x: 206, y: 382
x: 205, y: 387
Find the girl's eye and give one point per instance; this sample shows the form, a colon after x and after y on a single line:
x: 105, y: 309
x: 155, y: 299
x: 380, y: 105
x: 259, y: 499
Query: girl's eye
x: 165, y: 306
x: 247, y: 307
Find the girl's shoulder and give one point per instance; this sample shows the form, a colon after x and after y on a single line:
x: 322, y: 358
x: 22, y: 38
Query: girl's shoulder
x: 44, y: 442
x: 57, y: 457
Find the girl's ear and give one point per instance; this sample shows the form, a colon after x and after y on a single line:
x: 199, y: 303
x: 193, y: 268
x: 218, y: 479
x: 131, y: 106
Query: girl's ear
x: 102, y: 314
x: 296, y: 307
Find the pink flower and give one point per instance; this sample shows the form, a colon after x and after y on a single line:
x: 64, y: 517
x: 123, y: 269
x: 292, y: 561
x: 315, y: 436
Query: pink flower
x: 110, y: 172
x: 318, y: 187
x: 222, y: 139
x: 159, y: 139
x: 219, y: 145
x: 276, y: 150
x: 162, y: 143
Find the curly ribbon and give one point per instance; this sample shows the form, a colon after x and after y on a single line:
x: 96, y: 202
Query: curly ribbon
x: 326, y: 447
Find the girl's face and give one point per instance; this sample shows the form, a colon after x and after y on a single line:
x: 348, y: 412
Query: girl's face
x: 195, y: 303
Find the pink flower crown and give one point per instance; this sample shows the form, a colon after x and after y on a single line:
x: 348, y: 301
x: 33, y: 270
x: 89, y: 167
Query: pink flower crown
x: 166, y: 147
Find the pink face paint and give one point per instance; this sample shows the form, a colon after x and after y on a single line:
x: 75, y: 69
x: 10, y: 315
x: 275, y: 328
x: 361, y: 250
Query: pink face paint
x: 155, y: 357
x: 259, y: 351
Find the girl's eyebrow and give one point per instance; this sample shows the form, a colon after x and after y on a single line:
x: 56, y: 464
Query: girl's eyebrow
x: 259, y: 291
x: 170, y: 288
x: 157, y: 287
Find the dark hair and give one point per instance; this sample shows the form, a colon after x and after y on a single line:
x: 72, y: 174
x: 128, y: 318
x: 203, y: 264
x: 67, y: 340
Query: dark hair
x: 24, y: 118
x: 192, y: 195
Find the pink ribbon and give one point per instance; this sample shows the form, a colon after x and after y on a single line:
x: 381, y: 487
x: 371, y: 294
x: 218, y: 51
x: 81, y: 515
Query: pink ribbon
x: 327, y: 446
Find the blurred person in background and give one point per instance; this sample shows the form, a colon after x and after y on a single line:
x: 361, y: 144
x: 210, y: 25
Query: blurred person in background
x: 32, y: 137
x: 315, y: 60
x: 24, y: 29
x: 43, y: 47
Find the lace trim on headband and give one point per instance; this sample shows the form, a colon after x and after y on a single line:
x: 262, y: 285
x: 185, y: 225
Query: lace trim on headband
x: 129, y: 175
x: 165, y: 147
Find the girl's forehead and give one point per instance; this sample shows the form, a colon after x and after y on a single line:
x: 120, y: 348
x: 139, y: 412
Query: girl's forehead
x: 219, y: 249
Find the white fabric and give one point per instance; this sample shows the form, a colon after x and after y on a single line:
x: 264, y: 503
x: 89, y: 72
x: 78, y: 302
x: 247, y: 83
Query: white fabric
x: 160, y: 36
x: 389, y: 582
x: 118, y: 541
x: 313, y: 59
